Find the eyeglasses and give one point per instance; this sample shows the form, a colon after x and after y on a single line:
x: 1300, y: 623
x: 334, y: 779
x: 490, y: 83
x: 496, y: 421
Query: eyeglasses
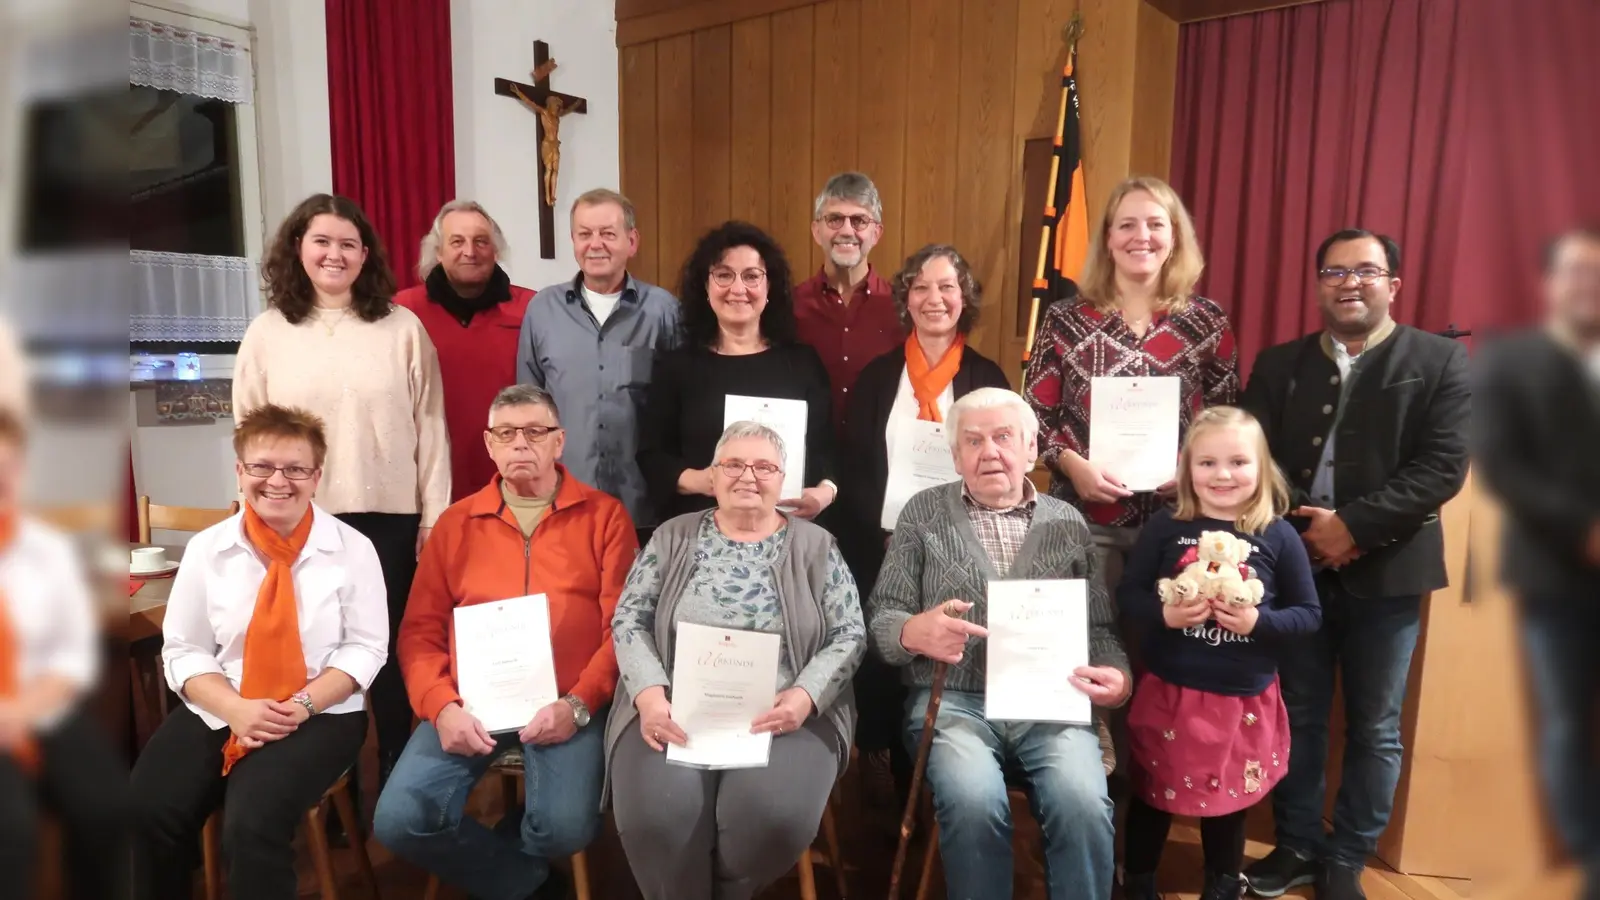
x: 735, y: 469
x: 1333, y: 277
x: 752, y: 278
x: 505, y: 434
x: 835, y: 221
x: 264, y: 470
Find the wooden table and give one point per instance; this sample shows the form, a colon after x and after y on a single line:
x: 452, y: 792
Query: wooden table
x: 147, y: 608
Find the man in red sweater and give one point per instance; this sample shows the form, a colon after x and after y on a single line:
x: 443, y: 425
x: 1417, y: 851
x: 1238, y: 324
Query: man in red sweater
x: 473, y: 314
x: 534, y: 529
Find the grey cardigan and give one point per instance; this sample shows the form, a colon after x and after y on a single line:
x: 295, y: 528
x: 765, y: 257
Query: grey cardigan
x: 800, y: 575
x: 935, y: 555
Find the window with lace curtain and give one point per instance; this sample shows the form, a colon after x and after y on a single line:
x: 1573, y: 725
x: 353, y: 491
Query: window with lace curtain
x: 195, y: 198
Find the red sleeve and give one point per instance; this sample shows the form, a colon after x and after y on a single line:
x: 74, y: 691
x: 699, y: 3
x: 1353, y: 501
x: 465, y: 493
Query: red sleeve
x: 619, y: 545
x: 1045, y: 387
x: 424, y: 642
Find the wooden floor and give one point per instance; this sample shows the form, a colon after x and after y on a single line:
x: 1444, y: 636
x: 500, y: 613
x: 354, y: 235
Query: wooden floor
x: 868, y: 842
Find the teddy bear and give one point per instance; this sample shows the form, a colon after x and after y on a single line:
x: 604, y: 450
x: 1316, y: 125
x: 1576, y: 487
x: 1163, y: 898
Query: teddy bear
x: 1214, y: 570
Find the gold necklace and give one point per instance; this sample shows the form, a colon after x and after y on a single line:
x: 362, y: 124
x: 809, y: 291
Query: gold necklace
x: 329, y: 326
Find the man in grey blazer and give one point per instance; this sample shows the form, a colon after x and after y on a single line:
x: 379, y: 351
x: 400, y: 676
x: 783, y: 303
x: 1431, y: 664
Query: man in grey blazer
x: 991, y: 525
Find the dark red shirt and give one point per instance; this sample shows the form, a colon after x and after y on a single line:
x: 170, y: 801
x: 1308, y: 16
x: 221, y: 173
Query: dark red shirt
x: 847, y: 335
x: 476, y: 360
x: 1078, y: 342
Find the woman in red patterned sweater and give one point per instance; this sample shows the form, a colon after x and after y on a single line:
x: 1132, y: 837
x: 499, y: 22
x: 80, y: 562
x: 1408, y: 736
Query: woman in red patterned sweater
x: 1136, y: 315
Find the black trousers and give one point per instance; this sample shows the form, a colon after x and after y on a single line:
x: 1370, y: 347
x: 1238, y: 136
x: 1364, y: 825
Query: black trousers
x: 394, y: 536
x: 1145, y: 835
x: 177, y: 783
x: 82, y: 784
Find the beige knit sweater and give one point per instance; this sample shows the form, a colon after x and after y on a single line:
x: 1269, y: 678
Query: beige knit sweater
x: 376, y: 386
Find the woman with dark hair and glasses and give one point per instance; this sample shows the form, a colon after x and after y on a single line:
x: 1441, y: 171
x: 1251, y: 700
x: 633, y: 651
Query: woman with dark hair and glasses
x: 738, y: 330
x: 333, y: 342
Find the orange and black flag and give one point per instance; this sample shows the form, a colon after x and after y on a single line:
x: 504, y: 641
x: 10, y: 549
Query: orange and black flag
x: 1064, y: 242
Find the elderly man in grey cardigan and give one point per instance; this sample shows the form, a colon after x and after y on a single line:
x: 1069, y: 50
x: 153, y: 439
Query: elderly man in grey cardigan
x: 929, y: 606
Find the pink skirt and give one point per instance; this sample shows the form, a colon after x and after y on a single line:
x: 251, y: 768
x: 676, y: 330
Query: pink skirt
x: 1196, y: 753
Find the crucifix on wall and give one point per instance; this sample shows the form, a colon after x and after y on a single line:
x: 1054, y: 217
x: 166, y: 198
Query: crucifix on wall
x: 549, y: 106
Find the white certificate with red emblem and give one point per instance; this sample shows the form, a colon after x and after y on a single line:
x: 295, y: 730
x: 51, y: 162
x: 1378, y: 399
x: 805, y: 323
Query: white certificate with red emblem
x: 1038, y: 633
x: 505, y: 670
x: 788, y: 419
x: 1133, y: 429
x: 921, y: 459
x: 722, y: 679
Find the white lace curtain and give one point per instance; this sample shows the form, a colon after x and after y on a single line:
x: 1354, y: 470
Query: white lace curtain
x: 187, y: 297
x: 175, y: 59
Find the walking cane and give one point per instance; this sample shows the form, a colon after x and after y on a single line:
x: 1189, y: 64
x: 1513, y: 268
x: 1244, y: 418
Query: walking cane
x: 935, y: 694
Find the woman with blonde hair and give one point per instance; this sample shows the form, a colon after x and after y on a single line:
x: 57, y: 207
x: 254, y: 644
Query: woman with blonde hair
x: 1135, y: 315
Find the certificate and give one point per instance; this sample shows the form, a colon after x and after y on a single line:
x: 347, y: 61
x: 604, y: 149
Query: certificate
x: 722, y: 679
x: 505, y: 670
x: 921, y: 459
x: 788, y: 419
x: 1133, y: 429
x: 1038, y: 633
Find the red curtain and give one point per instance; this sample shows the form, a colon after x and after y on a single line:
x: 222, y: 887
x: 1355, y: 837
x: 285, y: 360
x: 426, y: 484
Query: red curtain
x: 1294, y: 123
x: 393, y: 129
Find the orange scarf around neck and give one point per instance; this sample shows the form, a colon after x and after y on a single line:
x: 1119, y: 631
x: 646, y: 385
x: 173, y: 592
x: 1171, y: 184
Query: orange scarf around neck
x: 927, y: 383
x: 274, y: 659
x: 26, y: 753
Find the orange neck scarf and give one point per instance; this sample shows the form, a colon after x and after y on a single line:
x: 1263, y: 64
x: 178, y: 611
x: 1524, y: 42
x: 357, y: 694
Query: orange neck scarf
x: 927, y: 383
x: 274, y: 659
x: 26, y: 754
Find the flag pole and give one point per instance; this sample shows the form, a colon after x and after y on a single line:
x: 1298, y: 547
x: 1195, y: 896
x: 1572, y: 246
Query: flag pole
x: 1072, y: 32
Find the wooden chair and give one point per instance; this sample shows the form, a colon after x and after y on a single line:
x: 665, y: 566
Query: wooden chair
x: 178, y: 518
x: 81, y: 518
x: 317, y: 838
x: 833, y: 859
x: 508, y: 768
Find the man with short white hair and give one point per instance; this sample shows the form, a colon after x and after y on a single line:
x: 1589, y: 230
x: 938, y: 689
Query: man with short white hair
x: 472, y: 312
x: 591, y: 342
x: 994, y: 525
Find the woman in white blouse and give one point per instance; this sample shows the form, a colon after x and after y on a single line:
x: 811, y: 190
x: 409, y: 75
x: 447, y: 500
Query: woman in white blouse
x: 52, y: 753
x: 275, y: 626
x: 333, y: 343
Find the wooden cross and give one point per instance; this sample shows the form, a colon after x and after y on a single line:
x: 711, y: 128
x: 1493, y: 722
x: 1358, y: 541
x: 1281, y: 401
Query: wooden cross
x: 550, y: 106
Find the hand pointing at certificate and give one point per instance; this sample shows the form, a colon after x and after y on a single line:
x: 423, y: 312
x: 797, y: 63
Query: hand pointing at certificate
x: 939, y: 634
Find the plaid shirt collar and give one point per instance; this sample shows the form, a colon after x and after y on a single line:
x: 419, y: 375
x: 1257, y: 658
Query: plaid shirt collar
x: 1030, y: 499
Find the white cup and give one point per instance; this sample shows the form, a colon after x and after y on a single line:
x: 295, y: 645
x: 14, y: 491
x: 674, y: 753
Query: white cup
x: 149, y: 559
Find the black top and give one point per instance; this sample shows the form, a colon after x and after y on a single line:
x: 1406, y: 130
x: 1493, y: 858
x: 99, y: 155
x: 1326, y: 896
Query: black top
x: 683, y: 414
x: 866, y: 476
x: 1537, y: 430
x: 1207, y: 657
x: 1401, y: 451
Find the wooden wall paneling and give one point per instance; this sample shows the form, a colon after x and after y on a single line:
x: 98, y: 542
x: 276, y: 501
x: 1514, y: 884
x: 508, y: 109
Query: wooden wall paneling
x: 1155, y: 86
x: 1107, y: 66
x: 881, y: 121
x: 688, y: 17
x: 713, y: 132
x: 837, y: 55
x: 932, y: 123
x: 674, y: 154
x: 1041, y: 52
x: 790, y: 173
x: 984, y: 159
x: 752, y: 120
x: 639, y: 136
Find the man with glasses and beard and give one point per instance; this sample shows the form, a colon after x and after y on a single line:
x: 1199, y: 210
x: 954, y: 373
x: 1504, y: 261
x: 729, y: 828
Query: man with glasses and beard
x: 1368, y: 420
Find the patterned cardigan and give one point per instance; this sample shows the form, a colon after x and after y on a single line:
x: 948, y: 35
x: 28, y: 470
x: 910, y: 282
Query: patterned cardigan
x: 935, y: 555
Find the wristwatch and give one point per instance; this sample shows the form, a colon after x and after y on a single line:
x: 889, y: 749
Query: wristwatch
x: 580, y: 713
x: 304, y: 699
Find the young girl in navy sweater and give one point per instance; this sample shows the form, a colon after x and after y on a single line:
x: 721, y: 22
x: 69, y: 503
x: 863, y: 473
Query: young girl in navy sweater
x: 1208, y: 735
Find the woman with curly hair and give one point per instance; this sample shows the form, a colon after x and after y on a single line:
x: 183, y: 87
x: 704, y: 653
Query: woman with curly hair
x: 738, y: 338
x: 333, y: 343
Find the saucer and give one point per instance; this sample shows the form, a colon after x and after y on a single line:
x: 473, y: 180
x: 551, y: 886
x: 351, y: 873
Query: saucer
x: 158, y: 572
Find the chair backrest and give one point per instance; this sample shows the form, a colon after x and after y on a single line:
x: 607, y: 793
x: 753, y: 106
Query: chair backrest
x: 83, y: 517
x: 178, y: 518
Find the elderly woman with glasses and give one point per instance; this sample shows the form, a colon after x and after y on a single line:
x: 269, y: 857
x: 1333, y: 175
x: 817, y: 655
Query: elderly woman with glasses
x: 276, y: 625
x: 693, y: 833
x: 738, y: 339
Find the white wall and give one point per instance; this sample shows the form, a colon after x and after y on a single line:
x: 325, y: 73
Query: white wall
x: 497, y: 147
x: 292, y: 128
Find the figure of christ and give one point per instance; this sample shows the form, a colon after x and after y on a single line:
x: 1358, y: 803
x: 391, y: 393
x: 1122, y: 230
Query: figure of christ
x: 550, y: 144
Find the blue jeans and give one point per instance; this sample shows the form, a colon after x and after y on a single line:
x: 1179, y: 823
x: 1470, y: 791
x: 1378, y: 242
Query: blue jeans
x: 1560, y: 636
x: 420, y: 813
x: 1368, y: 642
x: 1066, y: 790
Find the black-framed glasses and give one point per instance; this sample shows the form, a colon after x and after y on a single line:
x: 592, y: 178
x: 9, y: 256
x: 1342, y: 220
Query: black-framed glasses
x: 1334, y: 275
x: 266, y: 470
x: 505, y: 434
x: 835, y: 221
x: 762, y: 470
x: 752, y: 278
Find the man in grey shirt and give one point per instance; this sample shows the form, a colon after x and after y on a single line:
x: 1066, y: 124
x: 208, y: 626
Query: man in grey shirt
x: 590, y: 342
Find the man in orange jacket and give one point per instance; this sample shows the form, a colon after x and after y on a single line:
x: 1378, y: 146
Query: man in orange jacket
x: 535, y: 529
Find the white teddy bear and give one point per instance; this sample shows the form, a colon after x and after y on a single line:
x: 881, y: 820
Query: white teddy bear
x: 1218, y: 573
